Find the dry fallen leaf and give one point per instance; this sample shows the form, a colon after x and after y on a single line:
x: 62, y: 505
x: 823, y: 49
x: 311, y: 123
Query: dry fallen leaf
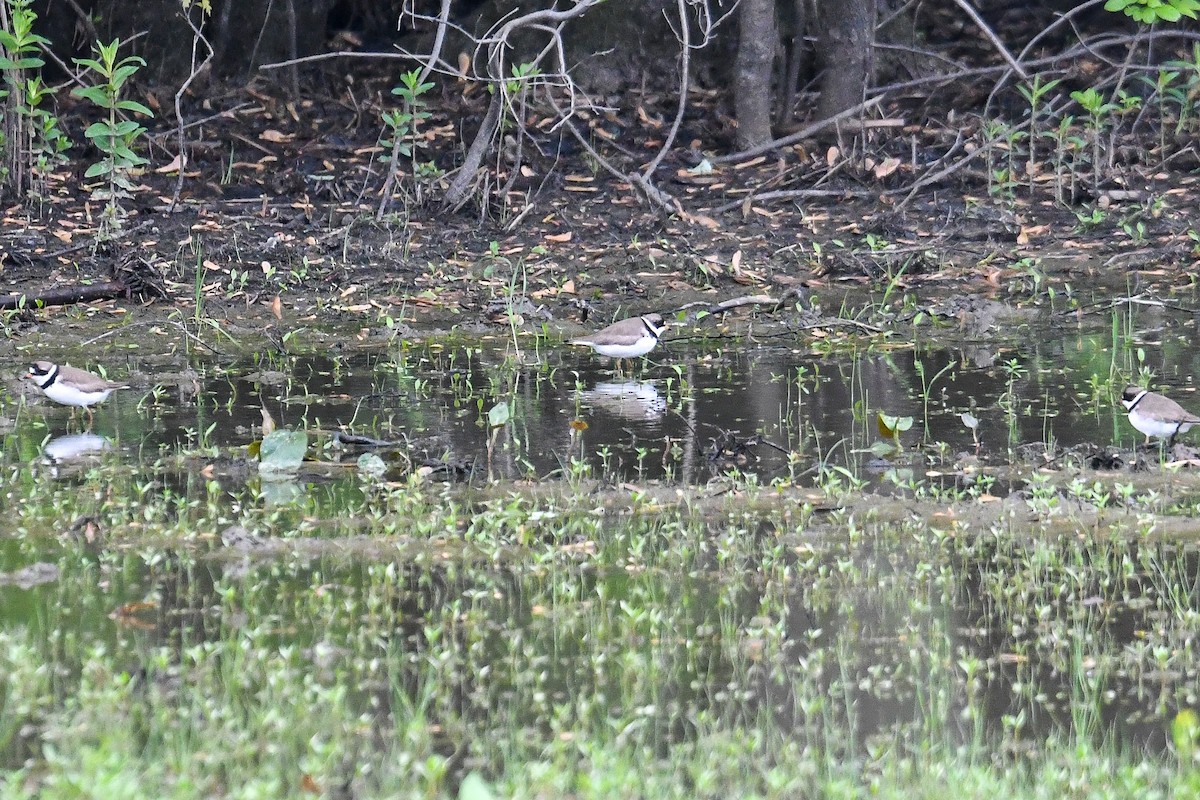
x: 754, y: 162
x: 886, y: 167
x: 177, y: 164
x: 702, y: 220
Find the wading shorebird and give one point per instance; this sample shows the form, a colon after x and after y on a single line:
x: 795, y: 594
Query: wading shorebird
x: 70, y: 386
x: 1156, y: 415
x: 629, y: 338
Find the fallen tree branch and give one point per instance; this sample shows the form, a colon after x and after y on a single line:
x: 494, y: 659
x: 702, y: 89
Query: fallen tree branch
x: 132, y: 276
x: 801, y: 134
x: 793, y: 194
x: 498, y: 42
x: 726, y: 306
x: 65, y: 296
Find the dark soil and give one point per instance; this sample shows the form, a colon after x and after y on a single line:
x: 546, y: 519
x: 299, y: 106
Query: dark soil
x: 281, y: 200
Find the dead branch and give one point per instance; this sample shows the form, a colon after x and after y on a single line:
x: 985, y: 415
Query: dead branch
x: 651, y: 192
x: 792, y: 194
x: 65, y: 296
x: 156, y: 323
x: 439, y: 39
x: 496, y: 44
x: 736, y: 302
x: 84, y: 20
x: 430, y: 62
x: 799, y: 135
x: 1033, y: 43
x: 685, y: 50
x: 132, y: 277
x: 197, y: 39
x: 993, y: 38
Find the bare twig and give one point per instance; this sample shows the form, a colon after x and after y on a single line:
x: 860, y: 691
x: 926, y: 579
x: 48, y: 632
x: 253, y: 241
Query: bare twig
x: 732, y: 303
x: 910, y: 191
x: 197, y: 39
x: 154, y: 323
x: 793, y: 194
x: 497, y: 43
x: 685, y: 52
x: 439, y: 38
x: 84, y: 19
x: 801, y: 134
x: 993, y: 38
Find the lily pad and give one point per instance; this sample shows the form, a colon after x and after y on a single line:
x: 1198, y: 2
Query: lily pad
x: 474, y: 787
x: 498, y: 415
x: 882, y: 449
x: 282, y: 451
x: 371, y: 465
x: 890, y: 426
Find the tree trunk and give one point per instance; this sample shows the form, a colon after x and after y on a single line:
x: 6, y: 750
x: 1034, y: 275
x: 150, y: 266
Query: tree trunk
x: 752, y: 72
x: 847, y: 34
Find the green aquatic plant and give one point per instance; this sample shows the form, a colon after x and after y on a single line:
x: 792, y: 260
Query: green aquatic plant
x: 403, y: 139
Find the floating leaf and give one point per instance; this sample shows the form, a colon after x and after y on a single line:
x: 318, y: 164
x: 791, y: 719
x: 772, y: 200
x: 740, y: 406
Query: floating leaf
x: 372, y: 465
x: 282, y: 451
x: 498, y: 415
x: 890, y: 426
x: 474, y: 787
x: 882, y: 449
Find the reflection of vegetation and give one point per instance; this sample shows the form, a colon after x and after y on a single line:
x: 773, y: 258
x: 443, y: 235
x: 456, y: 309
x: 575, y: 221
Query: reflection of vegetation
x: 738, y: 639
x: 395, y: 635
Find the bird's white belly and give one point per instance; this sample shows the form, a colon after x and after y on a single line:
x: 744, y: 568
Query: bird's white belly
x: 639, y: 348
x: 1157, y: 428
x: 70, y: 396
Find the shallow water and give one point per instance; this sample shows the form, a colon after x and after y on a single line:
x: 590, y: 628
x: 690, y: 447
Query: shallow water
x: 761, y: 616
x: 687, y: 415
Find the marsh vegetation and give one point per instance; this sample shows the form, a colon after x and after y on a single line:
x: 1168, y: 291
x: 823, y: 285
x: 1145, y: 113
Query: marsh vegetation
x: 597, y: 597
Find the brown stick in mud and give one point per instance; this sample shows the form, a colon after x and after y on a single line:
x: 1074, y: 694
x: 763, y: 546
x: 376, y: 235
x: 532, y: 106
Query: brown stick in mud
x: 65, y: 295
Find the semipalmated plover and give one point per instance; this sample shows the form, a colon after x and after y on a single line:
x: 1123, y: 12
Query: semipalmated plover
x: 629, y: 338
x: 71, y: 386
x: 1156, y: 415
